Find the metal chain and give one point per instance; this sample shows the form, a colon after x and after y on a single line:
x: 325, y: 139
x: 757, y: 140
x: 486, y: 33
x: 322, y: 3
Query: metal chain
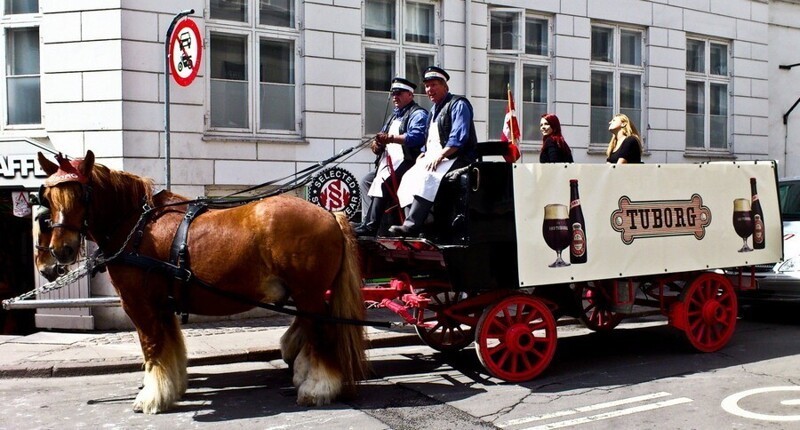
x: 59, y: 283
x: 87, y: 267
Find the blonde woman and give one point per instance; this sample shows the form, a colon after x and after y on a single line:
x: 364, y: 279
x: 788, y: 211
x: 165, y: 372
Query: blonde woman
x: 625, y: 145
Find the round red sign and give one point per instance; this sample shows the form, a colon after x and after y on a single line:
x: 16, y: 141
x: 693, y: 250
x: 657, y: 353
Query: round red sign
x: 186, y: 50
x: 335, y: 189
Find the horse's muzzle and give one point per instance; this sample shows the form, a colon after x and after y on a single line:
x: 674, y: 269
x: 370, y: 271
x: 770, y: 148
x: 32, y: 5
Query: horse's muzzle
x: 65, y: 254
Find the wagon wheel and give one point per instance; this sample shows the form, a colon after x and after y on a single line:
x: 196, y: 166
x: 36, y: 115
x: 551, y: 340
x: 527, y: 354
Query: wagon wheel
x: 439, y: 331
x: 516, y: 338
x: 595, y: 304
x: 710, y: 310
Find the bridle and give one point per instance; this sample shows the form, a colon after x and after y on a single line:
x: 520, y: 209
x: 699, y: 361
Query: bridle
x: 42, y: 217
x: 81, y: 230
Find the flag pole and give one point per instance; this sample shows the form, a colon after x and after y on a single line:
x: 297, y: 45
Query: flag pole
x: 511, y: 126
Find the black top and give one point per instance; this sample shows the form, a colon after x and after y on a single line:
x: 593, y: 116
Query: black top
x: 629, y: 150
x: 551, y: 153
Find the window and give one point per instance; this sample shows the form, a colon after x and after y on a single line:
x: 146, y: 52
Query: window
x: 252, y: 66
x: 23, y: 106
x: 22, y: 76
x: 21, y: 6
x: 616, y: 79
x: 390, y: 52
x: 519, y: 59
x: 707, y: 83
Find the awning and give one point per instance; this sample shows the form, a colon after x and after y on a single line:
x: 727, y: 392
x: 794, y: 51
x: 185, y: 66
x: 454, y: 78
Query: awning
x: 18, y: 163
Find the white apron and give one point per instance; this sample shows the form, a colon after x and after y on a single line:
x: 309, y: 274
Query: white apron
x: 418, y: 181
x: 395, y: 153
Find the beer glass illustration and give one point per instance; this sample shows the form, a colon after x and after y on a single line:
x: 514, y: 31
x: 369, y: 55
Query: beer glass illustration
x: 743, y: 221
x: 555, y: 230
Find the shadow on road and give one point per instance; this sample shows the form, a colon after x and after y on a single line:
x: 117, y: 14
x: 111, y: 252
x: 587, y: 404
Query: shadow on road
x: 627, y: 355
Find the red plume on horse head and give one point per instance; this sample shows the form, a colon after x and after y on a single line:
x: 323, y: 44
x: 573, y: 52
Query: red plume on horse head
x: 67, y: 170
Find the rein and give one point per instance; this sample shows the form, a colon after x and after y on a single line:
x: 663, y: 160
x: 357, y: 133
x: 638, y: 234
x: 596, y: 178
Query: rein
x: 300, y: 178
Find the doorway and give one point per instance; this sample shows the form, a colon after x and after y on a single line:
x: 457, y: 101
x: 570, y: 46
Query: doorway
x: 16, y: 266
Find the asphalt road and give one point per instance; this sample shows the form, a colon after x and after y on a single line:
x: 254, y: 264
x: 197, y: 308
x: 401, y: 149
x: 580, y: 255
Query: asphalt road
x: 638, y: 376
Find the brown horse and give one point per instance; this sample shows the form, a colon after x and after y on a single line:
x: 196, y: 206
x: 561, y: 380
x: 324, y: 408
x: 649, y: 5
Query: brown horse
x: 264, y: 251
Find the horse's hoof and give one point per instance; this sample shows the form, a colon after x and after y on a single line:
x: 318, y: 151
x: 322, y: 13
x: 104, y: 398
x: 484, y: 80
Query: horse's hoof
x: 309, y: 400
x: 149, y: 402
x: 151, y: 409
x: 318, y: 392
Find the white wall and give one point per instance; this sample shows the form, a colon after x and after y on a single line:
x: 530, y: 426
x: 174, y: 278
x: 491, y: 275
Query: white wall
x: 103, y: 83
x: 784, y: 86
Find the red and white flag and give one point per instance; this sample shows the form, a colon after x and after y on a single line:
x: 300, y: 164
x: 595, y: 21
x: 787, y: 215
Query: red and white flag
x: 511, y: 132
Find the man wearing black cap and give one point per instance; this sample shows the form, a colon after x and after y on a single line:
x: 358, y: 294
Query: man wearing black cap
x: 397, y: 146
x: 451, y: 144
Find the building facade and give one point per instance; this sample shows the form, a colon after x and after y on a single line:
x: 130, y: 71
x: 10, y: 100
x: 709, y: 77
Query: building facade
x: 283, y: 84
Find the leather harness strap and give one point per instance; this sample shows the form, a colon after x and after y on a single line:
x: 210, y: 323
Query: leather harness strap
x: 179, y: 257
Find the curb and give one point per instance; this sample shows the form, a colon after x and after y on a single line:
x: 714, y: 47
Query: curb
x: 54, y: 369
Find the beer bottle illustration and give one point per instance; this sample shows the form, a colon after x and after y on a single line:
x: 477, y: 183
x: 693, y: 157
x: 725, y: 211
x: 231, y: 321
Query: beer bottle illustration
x: 758, y: 217
x: 577, y: 248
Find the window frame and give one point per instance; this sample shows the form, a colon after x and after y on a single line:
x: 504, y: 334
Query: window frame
x: 519, y: 59
x: 617, y: 69
x: 18, y: 21
x: 254, y: 33
x: 399, y: 49
x: 707, y: 79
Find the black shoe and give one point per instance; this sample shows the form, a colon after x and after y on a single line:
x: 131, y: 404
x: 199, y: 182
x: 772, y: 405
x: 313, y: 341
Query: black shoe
x: 402, y: 231
x: 365, y: 230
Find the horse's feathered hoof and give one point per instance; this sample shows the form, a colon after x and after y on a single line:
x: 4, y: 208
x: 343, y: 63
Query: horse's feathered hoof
x: 319, y: 393
x: 317, y: 385
x: 160, y: 391
x: 148, y: 406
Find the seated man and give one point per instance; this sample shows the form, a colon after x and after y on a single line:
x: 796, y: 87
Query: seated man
x: 450, y: 144
x: 397, y: 146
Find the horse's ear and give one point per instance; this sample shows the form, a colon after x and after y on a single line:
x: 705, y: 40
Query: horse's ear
x: 85, y: 166
x: 48, y: 166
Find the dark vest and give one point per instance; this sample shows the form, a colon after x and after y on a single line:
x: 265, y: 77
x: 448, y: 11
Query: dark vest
x: 445, y: 124
x: 409, y: 154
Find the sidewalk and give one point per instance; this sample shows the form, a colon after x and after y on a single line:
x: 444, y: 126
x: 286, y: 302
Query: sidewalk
x: 58, y: 354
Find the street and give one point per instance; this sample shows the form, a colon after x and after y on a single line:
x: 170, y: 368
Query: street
x: 637, y: 376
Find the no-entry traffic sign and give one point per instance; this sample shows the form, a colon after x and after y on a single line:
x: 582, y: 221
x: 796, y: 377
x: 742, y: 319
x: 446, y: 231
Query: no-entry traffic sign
x: 186, y: 50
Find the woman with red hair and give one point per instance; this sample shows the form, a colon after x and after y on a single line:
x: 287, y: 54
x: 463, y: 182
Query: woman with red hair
x: 554, y: 147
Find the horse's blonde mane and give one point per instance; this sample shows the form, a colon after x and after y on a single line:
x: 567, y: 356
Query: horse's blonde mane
x: 129, y: 189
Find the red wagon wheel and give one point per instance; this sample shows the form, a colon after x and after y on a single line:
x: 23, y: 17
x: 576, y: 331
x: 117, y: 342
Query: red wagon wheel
x: 516, y: 338
x: 595, y: 305
x: 709, y: 309
x: 438, y: 330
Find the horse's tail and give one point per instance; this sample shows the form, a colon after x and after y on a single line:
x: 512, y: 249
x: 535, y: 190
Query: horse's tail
x: 347, y: 302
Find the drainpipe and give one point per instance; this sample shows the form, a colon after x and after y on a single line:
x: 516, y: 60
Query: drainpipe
x: 467, y: 47
x: 786, y: 135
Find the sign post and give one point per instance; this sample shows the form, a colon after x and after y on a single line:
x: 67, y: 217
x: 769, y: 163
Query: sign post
x: 183, y: 51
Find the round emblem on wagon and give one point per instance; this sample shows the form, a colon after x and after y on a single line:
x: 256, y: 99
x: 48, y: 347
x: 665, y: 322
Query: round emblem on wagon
x: 335, y: 189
